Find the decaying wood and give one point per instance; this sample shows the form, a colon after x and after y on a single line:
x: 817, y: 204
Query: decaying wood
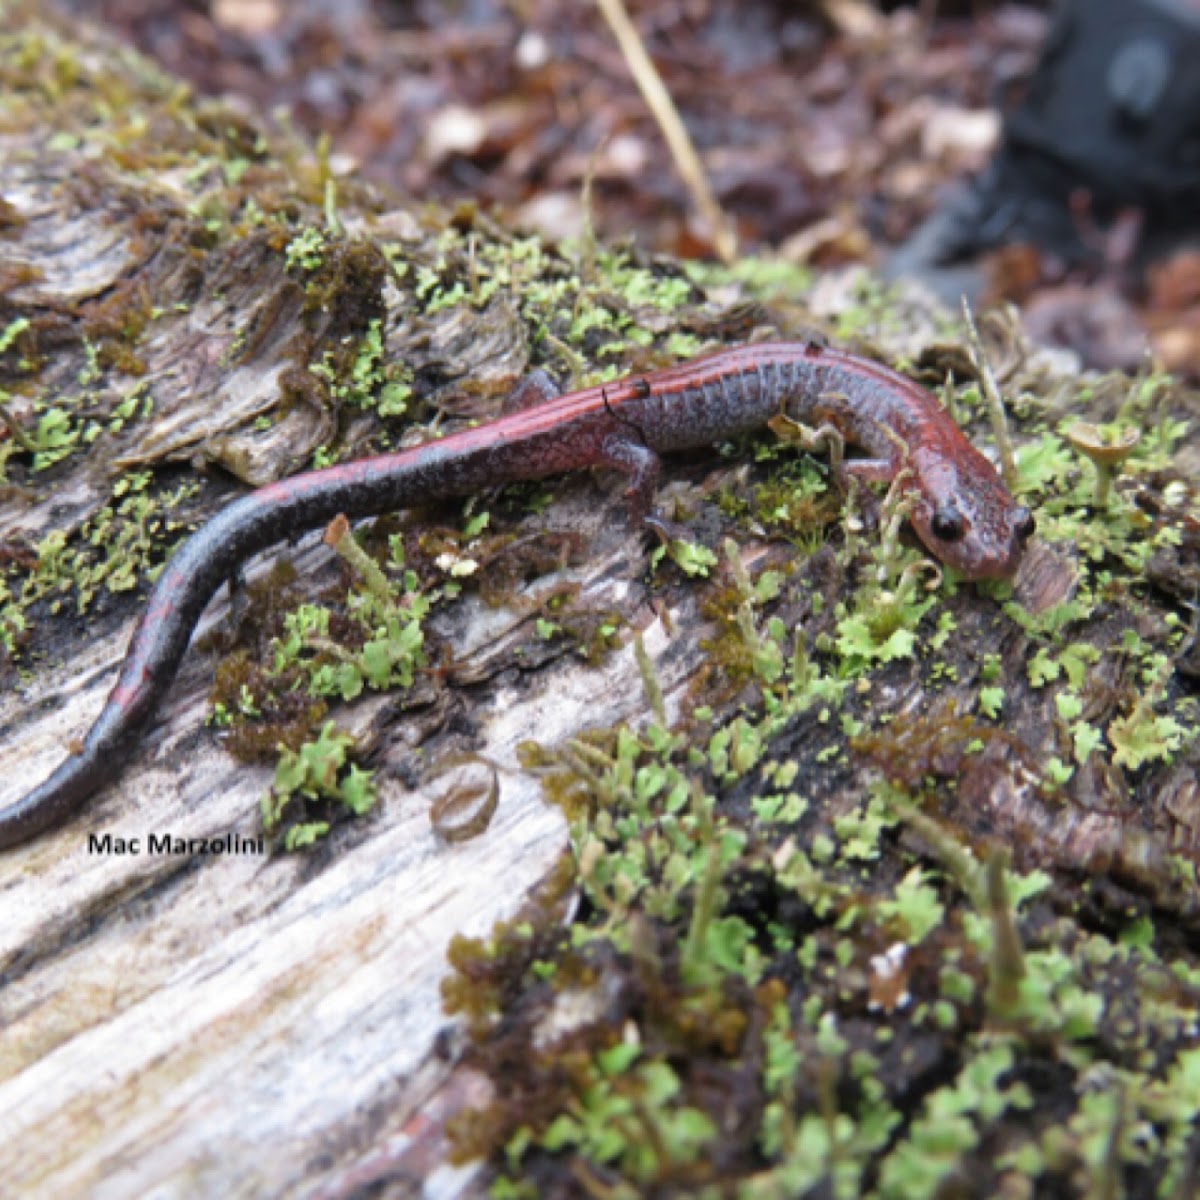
x: 243, y: 1024
x: 234, y: 1024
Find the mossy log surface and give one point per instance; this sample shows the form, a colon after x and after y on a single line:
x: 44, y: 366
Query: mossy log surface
x: 191, y: 304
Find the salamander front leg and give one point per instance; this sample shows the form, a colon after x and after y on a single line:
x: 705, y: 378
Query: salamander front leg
x: 825, y: 436
x: 837, y: 424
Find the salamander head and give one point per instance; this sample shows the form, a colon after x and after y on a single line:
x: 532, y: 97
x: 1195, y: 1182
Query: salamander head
x: 966, y: 517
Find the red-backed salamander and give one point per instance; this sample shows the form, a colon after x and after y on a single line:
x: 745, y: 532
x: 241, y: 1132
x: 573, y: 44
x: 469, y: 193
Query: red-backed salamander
x: 961, y: 510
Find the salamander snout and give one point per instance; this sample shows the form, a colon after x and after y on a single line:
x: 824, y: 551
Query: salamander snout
x: 981, y: 537
x: 965, y: 515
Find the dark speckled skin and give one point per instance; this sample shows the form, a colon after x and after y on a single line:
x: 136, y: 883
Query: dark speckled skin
x: 623, y: 425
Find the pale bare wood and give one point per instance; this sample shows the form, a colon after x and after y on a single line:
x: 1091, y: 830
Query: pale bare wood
x: 238, y: 1025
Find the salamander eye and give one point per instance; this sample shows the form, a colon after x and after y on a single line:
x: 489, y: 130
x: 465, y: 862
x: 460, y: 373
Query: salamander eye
x: 947, y: 525
x: 1023, y: 523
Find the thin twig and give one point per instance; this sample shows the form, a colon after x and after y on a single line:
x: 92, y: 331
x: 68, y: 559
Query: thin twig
x: 991, y: 395
x: 662, y: 108
x: 587, y: 234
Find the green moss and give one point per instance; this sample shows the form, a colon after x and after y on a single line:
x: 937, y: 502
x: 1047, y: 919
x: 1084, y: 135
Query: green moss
x: 305, y: 252
x: 312, y: 783
x: 362, y: 380
x: 659, y: 848
x: 126, y: 541
x: 950, y: 1127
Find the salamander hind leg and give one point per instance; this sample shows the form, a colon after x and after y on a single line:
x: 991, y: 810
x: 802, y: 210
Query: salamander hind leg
x: 642, y: 467
x: 531, y: 390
